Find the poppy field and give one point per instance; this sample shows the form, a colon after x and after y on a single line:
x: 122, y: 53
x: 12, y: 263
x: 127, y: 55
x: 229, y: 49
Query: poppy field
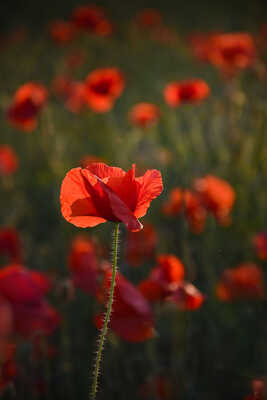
x: 133, y: 206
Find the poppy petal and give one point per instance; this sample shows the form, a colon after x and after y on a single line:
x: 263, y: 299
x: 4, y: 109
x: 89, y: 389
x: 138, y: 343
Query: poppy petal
x: 77, y: 206
x: 151, y: 187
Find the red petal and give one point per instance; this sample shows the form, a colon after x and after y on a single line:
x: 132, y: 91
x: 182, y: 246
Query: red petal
x: 151, y: 187
x: 77, y: 206
x: 132, y: 328
x: 17, y: 284
x: 102, y: 170
x: 37, y: 318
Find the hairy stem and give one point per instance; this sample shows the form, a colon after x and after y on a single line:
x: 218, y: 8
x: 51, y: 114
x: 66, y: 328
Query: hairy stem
x: 104, y: 329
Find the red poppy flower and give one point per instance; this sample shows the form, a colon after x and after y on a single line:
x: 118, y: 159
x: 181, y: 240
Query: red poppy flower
x: 10, y: 244
x: 187, y: 297
x: 174, y: 205
x: 131, y: 316
x: 260, y: 244
x: 62, y: 32
x: 92, y: 19
x: 8, y: 160
x: 83, y: 264
x: 144, y: 115
x: 141, y: 245
x: 242, y: 282
x: 27, y: 104
x: 99, y: 193
x: 75, y: 100
x: 200, y: 45
x: 37, y: 317
x: 195, y: 212
x: 190, y: 91
x: 163, y: 279
x: 148, y: 18
x: 103, y: 87
x: 231, y: 52
x: 20, y: 285
x: 217, y: 196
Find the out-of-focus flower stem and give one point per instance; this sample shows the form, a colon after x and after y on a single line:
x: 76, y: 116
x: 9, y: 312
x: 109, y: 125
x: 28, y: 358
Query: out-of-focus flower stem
x: 104, y: 329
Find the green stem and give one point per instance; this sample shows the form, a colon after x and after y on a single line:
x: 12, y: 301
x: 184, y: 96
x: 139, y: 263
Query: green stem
x: 104, y: 329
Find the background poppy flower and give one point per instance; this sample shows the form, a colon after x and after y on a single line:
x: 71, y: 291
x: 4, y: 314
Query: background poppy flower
x: 174, y: 204
x: 144, y: 115
x: 148, y: 18
x: 27, y: 103
x: 195, y: 211
x: 8, y: 160
x: 131, y: 316
x: 62, y: 32
x: 92, y: 19
x: 187, y: 297
x: 75, y: 98
x: 216, y: 195
x: 102, y: 87
x: 10, y: 245
x: 99, y: 193
x: 20, y: 285
x: 231, y: 52
x: 163, y: 279
x: 83, y: 264
x: 260, y: 244
x: 242, y: 282
x: 189, y: 91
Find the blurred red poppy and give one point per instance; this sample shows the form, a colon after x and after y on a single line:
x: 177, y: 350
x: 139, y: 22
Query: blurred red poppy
x: 242, y: 282
x: 260, y: 244
x: 27, y: 104
x: 163, y: 279
x: 194, y: 211
x: 100, y: 193
x: 217, y: 196
x: 189, y: 91
x: 174, y: 204
x: 188, y: 202
x: 75, y: 99
x: 8, y: 160
x: 20, y: 285
x: 141, y: 245
x: 62, y: 32
x: 131, y: 316
x: 148, y: 18
x: 200, y: 45
x: 231, y: 52
x: 32, y: 318
x: 102, y: 87
x: 83, y: 264
x: 92, y: 19
x: 187, y: 297
x: 10, y: 245
x: 144, y: 115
